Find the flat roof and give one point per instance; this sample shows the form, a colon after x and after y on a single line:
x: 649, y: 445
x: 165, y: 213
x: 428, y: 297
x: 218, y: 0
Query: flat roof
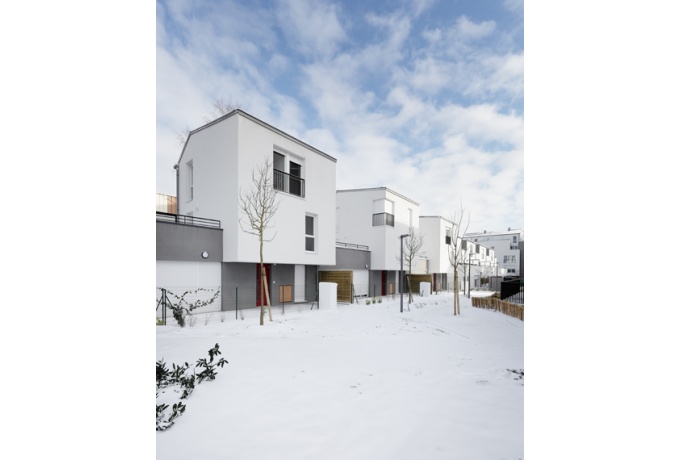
x: 261, y: 123
x: 378, y: 188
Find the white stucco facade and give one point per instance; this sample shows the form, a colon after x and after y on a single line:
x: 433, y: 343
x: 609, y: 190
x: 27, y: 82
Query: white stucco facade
x: 365, y: 216
x: 217, y: 163
x: 435, y: 229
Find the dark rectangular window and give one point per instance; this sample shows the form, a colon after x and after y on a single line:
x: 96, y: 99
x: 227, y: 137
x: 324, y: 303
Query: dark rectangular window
x: 295, y: 179
x: 295, y: 169
x: 288, y: 182
x: 309, y: 233
x: 383, y: 218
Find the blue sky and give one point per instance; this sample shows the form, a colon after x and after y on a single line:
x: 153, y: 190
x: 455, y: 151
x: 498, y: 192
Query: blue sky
x: 425, y: 97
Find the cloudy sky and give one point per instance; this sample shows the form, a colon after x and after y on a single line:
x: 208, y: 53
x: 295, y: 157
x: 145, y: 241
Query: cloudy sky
x: 425, y: 97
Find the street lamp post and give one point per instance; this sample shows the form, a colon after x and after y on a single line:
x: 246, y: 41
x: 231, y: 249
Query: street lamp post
x: 401, y: 275
x: 468, y: 278
x: 470, y: 273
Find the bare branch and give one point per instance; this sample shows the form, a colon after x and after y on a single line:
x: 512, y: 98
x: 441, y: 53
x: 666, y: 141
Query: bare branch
x: 221, y: 107
x: 456, y: 252
x: 182, y: 136
x: 413, y: 245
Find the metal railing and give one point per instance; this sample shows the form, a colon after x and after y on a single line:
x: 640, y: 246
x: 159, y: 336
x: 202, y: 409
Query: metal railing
x: 187, y: 220
x: 284, y: 182
x: 351, y: 246
x: 383, y: 218
x: 232, y: 301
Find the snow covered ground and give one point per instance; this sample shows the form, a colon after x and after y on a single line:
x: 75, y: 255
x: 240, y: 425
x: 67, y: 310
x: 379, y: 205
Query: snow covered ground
x: 361, y: 382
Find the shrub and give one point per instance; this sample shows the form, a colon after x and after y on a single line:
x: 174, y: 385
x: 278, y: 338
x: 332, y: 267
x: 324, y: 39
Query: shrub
x: 179, y: 377
x: 183, y: 308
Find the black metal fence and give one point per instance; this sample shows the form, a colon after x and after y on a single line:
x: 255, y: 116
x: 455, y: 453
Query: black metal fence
x: 513, y: 291
x: 229, y: 301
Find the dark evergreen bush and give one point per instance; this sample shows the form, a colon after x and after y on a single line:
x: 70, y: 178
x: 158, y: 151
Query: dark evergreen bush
x: 184, y: 383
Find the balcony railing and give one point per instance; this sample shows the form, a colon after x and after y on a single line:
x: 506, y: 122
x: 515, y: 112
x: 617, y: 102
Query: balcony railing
x: 362, y: 247
x: 284, y: 182
x: 383, y: 218
x: 187, y: 220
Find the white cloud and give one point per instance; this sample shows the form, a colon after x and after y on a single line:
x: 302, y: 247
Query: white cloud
x: 311, y: 27
x: 422, y: 111
x: 468, y: 30
x: 498, y: 74
x: 514, y: 5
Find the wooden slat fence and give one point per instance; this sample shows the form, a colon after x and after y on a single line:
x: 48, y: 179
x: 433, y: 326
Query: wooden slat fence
x: 343, y: 278
x: 493, y: 303
x: 416, y: 280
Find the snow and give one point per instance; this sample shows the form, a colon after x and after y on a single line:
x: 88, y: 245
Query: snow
x: 360, y: 382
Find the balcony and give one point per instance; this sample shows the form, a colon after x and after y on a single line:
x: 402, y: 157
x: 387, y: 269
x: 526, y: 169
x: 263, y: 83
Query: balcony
x: 187, y: 220
x: 284, y: 182
x: 383, y: 218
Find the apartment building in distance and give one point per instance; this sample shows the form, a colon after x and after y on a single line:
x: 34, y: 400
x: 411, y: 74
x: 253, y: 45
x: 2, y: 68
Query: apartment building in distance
x: 506, y: 246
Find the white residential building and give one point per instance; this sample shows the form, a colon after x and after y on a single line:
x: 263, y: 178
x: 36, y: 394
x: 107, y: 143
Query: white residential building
x: 437, y: 239
x: 376, y: 217
x: 506, y: 246
x: 479, y: 266
x: 478, y: 262
x: 217, y: 164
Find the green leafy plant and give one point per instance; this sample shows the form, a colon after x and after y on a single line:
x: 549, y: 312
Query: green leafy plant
x: 181, y: 380
x: 160, y: 322
x: 368, y: 301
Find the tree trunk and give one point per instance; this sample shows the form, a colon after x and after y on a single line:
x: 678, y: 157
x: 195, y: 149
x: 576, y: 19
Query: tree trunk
x: 408, y: 285
x: 455, y: 289
x: 262, y: 281
x: 264, y: 297
x: 266, y: 293
x: 458, y: 304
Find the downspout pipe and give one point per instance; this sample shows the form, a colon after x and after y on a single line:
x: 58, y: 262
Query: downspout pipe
x: 176, y: 167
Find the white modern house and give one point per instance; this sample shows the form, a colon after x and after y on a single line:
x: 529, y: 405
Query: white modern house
x: 376, y: 217
x: 506, y: 247
x: 437, y: 234
x: 217, y: 164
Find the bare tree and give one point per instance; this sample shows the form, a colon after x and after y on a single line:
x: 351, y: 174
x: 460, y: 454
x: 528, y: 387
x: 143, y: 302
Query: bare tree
x: 413, y: 245
x: 220, y: 107
x: 485, y: 275
x: 259, y: 206
x: 182, y: 136
x: 457, y: 252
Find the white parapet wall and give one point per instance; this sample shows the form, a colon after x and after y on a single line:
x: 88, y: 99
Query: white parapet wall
x: 328, y: 296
